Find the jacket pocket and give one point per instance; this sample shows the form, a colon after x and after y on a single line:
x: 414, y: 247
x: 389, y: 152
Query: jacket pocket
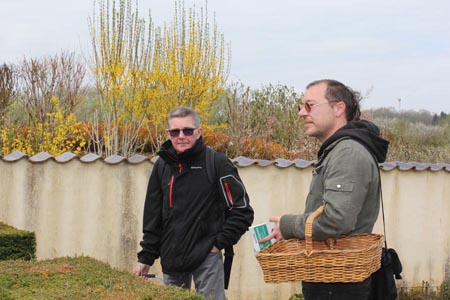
x: 233, y: 192
x: 339, y: 186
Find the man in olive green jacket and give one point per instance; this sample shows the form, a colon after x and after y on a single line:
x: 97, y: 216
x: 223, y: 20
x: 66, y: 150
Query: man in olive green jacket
x: 345, y: 178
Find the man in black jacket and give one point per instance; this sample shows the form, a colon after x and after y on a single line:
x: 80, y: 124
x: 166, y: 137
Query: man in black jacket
x: 188, y: 219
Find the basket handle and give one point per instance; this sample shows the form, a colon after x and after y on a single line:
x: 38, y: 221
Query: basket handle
x: 308, y: 228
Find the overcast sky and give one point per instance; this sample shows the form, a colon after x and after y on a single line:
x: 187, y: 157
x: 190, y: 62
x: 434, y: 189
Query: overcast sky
x: 395, y: 49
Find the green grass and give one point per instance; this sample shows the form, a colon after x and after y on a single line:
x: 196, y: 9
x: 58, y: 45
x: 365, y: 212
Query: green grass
x: 79, y: 278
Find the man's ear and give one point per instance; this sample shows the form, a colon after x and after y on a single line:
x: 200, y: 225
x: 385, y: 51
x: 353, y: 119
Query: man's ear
x: 200, y: 131
x: 340, y: 108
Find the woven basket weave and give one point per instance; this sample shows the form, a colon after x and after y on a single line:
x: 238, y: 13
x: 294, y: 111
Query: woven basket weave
x: 348, y: 259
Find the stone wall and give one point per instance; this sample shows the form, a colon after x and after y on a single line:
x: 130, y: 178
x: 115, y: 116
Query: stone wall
x: 90, y: 206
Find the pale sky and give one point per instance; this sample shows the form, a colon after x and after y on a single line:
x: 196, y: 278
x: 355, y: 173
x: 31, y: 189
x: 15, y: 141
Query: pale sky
x: 397, y: 49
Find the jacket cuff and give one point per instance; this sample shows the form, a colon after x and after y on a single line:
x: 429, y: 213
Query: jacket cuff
x: 219, y: 245
x: 287, y: 226
x: 144, y: 260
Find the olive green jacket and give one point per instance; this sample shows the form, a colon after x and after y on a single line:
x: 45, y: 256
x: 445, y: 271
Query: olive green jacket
x: 346, y: 179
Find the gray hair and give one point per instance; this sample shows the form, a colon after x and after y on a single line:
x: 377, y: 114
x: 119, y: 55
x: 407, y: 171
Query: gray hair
x: 182, y: 112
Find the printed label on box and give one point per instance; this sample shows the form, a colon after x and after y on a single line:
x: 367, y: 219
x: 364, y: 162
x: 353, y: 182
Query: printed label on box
x: 260, y: 231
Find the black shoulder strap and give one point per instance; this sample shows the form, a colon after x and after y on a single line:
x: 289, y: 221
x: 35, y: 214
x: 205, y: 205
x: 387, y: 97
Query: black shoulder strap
x: 211, y: 164
x: 159, y: 165
x: 211, y: 170
x: 381, y: 193
x: 379, y: 187
x: 381, y: 199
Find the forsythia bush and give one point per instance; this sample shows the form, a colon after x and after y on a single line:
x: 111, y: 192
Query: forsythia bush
x: 143, y: 71
x: 57, y: 135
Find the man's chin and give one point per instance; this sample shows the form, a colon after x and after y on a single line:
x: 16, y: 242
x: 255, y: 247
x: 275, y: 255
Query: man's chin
x: 181, y: 149
x: 309, y: 131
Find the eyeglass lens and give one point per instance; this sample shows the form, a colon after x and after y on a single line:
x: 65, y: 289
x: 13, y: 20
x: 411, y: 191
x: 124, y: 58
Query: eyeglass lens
x: 306, y: 105
x: 186, y: 132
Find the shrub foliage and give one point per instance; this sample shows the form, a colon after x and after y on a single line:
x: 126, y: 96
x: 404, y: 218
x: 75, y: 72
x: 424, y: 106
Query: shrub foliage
x: 142, y: 71
x: 16, y: 244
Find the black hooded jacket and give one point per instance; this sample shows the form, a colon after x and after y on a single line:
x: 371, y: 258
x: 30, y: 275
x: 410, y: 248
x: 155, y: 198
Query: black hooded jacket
x: 185, y: 215
x: 364, y: 132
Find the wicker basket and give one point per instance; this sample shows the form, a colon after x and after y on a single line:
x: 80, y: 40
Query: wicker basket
x: 349, y: 259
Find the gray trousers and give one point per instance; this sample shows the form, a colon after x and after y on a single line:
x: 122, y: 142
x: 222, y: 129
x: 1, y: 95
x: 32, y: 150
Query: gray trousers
x: 208, y: 278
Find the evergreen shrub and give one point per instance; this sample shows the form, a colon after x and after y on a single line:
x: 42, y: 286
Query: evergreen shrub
x: 16, y: 244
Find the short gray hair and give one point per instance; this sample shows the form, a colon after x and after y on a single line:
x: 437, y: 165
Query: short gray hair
x: 182, y: 112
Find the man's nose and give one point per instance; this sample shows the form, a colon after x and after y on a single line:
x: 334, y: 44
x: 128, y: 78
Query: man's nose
x: 302, y: 112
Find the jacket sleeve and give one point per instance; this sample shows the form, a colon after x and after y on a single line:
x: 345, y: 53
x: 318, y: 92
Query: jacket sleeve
x: 238, y: 212
x: 347, y: 179
x: 152, y: 224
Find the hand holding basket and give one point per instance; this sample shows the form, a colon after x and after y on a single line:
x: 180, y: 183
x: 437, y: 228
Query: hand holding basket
x: 351, y: 258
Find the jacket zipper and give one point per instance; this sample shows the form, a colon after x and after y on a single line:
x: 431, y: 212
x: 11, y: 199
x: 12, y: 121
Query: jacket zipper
x: 170, y: 192
x: 172, y: 179
x: 227, y: 190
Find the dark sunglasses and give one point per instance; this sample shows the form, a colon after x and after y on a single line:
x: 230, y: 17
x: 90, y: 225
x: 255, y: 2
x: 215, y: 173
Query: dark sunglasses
x: 176, y: 132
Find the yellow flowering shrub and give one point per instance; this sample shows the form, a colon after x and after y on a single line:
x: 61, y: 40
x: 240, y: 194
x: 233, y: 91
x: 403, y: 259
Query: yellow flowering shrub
x: 143, y: 71
x: 57, y: 135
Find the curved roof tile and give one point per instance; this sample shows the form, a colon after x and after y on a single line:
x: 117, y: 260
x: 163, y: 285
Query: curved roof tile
x: 16, y: 155
x: 90, y: 157
x: 437, y: 167
x: 137, y: 159
x: 301, y: 163
x: 244, y: 161
x: 114, y: 159
x: 389, y: 166
x: 41, y: 157
x: 265, y: 163
x: 283, y: 163
x: 65, y: 157
x: 240, y: 161
x: 420, y: 166
x: 404, y: 166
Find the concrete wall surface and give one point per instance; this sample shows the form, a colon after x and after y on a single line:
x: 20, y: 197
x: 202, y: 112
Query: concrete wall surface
x: 95, y: 209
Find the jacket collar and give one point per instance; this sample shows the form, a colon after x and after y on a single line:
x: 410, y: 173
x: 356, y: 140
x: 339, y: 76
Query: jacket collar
x: 364, y: 132
x: 169, y: 155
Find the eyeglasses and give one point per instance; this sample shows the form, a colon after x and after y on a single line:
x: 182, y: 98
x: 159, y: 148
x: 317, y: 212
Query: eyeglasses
x: 176, y: 132
x: 308, y: 106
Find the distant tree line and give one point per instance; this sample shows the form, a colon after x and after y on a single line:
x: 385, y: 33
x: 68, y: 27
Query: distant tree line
x: 412, y: 116
x: 414, y: 135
